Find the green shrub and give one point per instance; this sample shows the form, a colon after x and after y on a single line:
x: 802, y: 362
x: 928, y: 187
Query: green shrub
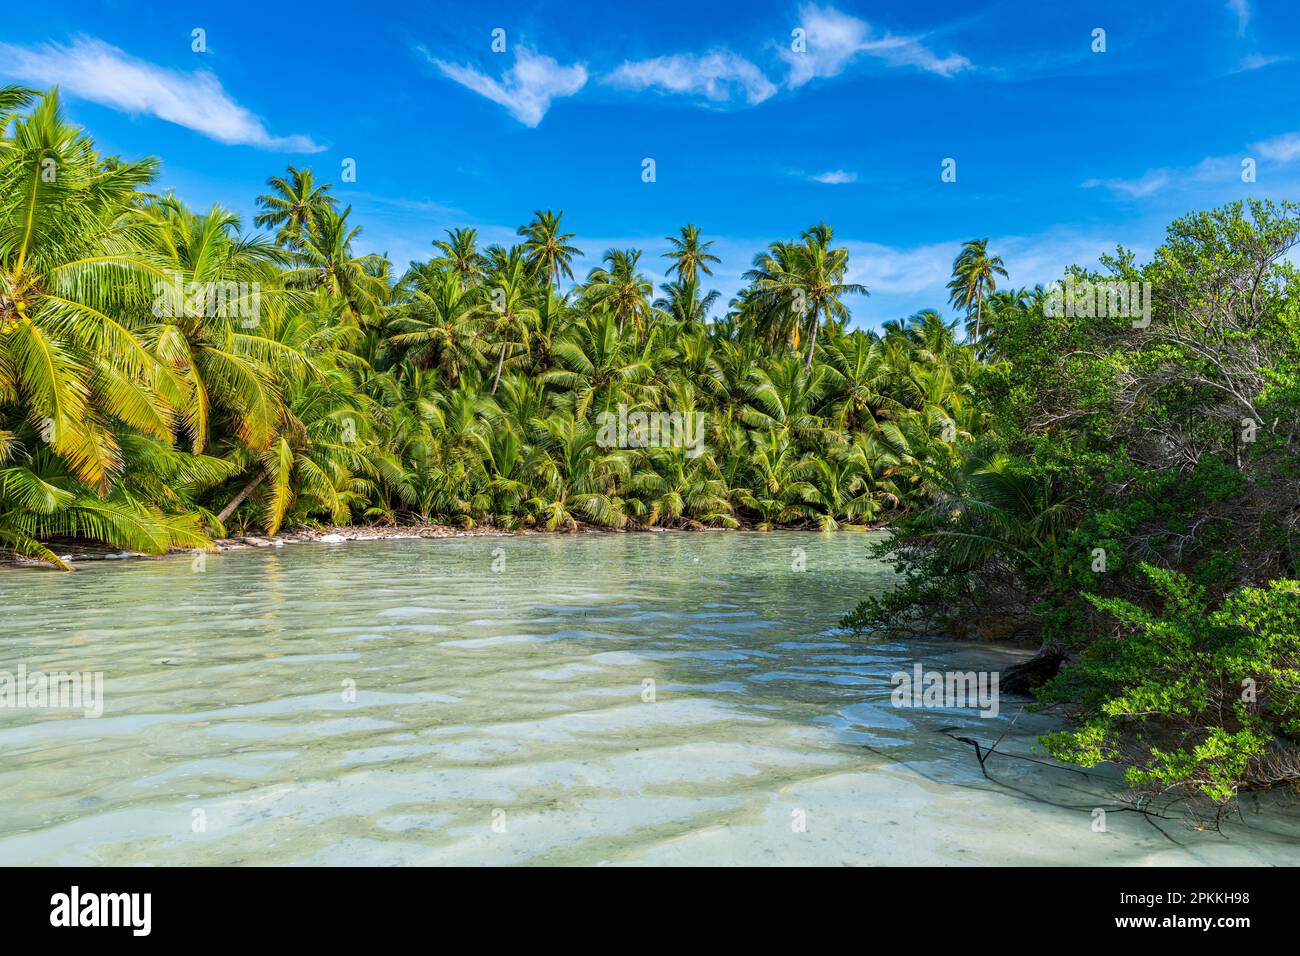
x: 1190, y: 698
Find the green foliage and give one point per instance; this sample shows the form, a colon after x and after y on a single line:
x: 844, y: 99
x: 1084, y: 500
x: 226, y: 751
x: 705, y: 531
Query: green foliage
x: 138, y: 409
x: 1114, y: 448
x: 1189, y: 696
x: 166, y: 377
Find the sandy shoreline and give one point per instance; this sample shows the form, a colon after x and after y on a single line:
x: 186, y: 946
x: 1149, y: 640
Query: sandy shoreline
x: 76, y: 551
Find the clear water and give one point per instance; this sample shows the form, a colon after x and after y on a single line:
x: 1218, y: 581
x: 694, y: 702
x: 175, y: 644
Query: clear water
x: 503, y: 714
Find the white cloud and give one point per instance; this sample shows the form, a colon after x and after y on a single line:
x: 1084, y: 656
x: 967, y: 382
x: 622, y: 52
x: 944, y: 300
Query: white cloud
x: 903, y: 280
x: 890, y: 270
x: 526, y: 89
x: 1257, y: 61
x: 1281, y: 149
x: 833, y: 39
x: 835, y: 177
x: 1151, y: 182
x: 93, y: 70
x: 1042, y: 258
x: 716, y: 76
x: 1241, y: 9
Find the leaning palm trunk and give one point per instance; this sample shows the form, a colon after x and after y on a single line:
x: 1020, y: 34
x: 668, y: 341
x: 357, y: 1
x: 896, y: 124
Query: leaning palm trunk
x: 812, y: 339
x: 238, y: 500
x: 500, y: 363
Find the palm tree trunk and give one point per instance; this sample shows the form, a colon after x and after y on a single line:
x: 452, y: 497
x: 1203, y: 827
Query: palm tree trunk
x: 238, y: 500
x: 500, y: 362
x: 812, y: 338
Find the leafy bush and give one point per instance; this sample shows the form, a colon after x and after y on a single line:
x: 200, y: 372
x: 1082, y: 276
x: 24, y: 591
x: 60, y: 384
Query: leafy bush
x: 1189, y: 698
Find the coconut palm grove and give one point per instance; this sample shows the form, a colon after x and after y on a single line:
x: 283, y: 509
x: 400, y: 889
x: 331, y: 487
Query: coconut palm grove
x: 1122, y: 495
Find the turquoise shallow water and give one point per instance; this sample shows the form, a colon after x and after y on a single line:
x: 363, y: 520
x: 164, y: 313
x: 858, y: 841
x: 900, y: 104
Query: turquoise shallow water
x: 592, y: 699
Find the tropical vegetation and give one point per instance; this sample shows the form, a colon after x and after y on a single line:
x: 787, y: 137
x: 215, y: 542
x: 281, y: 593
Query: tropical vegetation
x: 1132, y: 505
x: 1124, y: 493
x: 168, y: 376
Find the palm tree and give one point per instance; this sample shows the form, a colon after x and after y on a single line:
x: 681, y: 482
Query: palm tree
x: 39, y: 500
x: 804, y: 281
x: 12, y: 99
x: 329, y: 263
x: 683, y: 304
x: 993, y: 504
x: 858, y: 383
x: 460, y: 254
x: 766, y: 308
x: 619, y: 287
x: 689, y: 255
x: 86, y: 413
x: 675, y: 486
x: 1009, y: 309
x: 597, y: 368
x: 836, y: 489
x: 546, y: 247
x: 576, y: 477
x: 217, y: 363
x: 523, y: 400
x: 164, y: 376
x: 785, y: 394
x: 312, y: 464
x: 819, y: 272
x: 694, y: 361
x: 73, y: 289
x: 508, y: 309
x: 770, y: 494
x: 555, y: 317
x: 927, y: 332
x: 974, y: 279
x: 434, y: 323
x: 294, y: 206
x: 508, y: 464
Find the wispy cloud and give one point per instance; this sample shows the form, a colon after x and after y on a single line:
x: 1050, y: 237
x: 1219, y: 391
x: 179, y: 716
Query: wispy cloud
x: 526, y: 89
x: 831, y: 41
x: 905, y: 279
x: 894, y: 270
x: 1279, y: 149
x: 1150, y: 182
x: 403, y: 209
x: 716, y: 76
x: 1241, y: 10
x: 835, y: 177
x: 834, y: 39
x: 1257, y: 61
x: 93, y: 70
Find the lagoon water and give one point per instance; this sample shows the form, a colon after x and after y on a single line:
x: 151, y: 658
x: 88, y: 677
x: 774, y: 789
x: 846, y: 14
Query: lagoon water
x: 592, y: 699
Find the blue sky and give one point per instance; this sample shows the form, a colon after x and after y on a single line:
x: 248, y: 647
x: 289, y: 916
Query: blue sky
x: 1061, y: 152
